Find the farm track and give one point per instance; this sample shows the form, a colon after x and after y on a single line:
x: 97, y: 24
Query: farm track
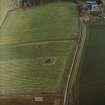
x: 38, y: 42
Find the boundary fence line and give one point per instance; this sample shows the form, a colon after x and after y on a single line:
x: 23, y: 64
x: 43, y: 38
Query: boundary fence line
x: 74, y: 68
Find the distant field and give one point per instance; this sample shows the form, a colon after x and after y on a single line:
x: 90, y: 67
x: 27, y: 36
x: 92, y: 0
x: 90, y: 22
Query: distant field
x: 36, y: 47
x: 92, y: 78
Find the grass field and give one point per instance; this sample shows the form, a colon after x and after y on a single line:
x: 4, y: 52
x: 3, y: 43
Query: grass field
x: 92, y: 78
x: 49, y: 22
x: 24, y: 70
x: 35, y: 48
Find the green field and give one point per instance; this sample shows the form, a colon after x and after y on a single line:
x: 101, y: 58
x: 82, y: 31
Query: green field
x: 36, y: 48
x: 92, y: 74
x: 27, y: 70
x: 49, y: 22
